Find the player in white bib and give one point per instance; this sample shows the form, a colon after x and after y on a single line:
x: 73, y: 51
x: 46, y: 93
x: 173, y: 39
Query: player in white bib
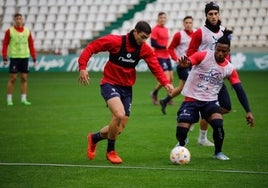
x: 201, y: 89
x: 205, y: 38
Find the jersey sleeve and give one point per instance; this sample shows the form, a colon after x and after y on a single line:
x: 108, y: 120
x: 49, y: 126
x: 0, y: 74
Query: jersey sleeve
x: 105, y: 43
x: 195, y: 42
x: 234, y: 77
x: 31, y: 46
x: 197, y: 57
x: 176, y: 40
x: 5, y: 44
x: 151, y: 60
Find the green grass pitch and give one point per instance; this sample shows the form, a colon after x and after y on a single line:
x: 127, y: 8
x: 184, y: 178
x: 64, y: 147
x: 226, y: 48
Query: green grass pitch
x: 44, y: 145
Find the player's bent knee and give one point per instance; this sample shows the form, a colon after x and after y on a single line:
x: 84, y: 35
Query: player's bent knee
x: 216, y: 123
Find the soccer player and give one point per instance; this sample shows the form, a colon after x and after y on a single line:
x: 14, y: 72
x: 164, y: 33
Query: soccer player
x: 18, y: 44
x: 201, y: 89
x: 177, y: 49
x: 119, y: 75
x: 203, y: 39
x: 159, y: 42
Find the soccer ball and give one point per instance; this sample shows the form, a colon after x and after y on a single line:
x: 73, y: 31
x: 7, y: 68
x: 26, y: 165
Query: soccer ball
x: 180, y: 155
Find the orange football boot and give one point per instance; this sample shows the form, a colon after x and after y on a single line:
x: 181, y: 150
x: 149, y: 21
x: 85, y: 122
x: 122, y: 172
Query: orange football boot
x: 113, y: 157
x: 91, y: 148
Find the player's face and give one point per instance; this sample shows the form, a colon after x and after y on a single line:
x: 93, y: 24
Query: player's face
x: 221, y: 52
x: 188, y: 24
x: 140, y: 37
x: 162, y: 19
x: 18, y: 21
x: 213, y: 16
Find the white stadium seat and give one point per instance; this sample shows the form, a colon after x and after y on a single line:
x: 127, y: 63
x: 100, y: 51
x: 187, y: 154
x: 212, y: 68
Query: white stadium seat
x: 60, y: 34
x: 49, y: 26
x: 43, y: 10
x: 50, y: 34
x: 40, y: 35
x: 53, y: 10
x: 22, y: 3
x: 38, y: 26
x: 59, y: 26
x: 51, y: 18
x: 70, y: 26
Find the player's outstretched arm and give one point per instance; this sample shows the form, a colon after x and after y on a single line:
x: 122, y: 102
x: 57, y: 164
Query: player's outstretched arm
x: 242, y: 97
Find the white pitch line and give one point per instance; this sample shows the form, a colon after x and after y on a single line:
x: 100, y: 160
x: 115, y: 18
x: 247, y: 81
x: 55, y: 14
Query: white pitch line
x: 134, y: 167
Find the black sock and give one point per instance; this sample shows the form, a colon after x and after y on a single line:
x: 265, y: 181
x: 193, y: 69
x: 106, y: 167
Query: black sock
x: 155, y: 92
x: 218, y: 134
x: 167, y: 99
x: 111, y: 144
x: 181, y: 135
x: 97, y: 137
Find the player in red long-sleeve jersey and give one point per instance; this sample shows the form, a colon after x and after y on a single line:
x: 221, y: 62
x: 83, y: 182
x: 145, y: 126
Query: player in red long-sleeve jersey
x: 159, y: 42
x: 177, y: 49
x: 18, y: 44
x: 119, y: 76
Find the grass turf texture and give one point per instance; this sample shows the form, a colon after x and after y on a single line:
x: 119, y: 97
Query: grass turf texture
x: 54, y: 128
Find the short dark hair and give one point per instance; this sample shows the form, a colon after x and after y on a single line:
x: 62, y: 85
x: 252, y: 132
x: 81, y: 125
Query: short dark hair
x: 17, y: 14
x: 143, y: 26
x: 225, y: 39
x: 187, y: 17
x: 211, y: 6
x: 161, y: 13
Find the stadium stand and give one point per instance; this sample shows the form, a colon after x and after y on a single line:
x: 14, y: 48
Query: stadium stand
x: 70, y: 24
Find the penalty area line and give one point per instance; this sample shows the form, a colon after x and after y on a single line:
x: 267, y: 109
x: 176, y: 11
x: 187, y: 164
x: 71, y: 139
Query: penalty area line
x: 134, y: 167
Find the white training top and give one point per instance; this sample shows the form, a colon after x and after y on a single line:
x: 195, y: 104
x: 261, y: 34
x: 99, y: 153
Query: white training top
x: 206, y: 78
x: 181, y: 49
x: 209, y: 38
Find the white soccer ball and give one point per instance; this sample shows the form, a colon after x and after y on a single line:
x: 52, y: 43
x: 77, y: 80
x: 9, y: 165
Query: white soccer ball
x: 180, y: 155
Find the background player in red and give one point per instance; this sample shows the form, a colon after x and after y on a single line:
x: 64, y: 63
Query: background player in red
x: 177, y: 49
x: 209, y: 68
x: 18, y: 44
x: 119, y: 75
x: 205, y: 38
x: 159, y: 42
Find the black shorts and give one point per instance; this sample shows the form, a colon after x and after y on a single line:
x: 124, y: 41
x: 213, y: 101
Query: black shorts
x: 109, y: 91
x: 19, y: 65
x: 165, y: 64
x: 189, y: 112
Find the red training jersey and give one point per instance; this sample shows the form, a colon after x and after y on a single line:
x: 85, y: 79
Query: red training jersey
x: 160, y: 35
x: 119, y: 75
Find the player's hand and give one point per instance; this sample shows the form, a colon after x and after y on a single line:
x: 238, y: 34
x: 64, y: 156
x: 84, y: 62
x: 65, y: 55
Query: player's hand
x: 184, y: 62
x: 34, y: 62
x: 250, y: 119
x: 83, y: 77
x: 5, y: 62
x: 169, y: 88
